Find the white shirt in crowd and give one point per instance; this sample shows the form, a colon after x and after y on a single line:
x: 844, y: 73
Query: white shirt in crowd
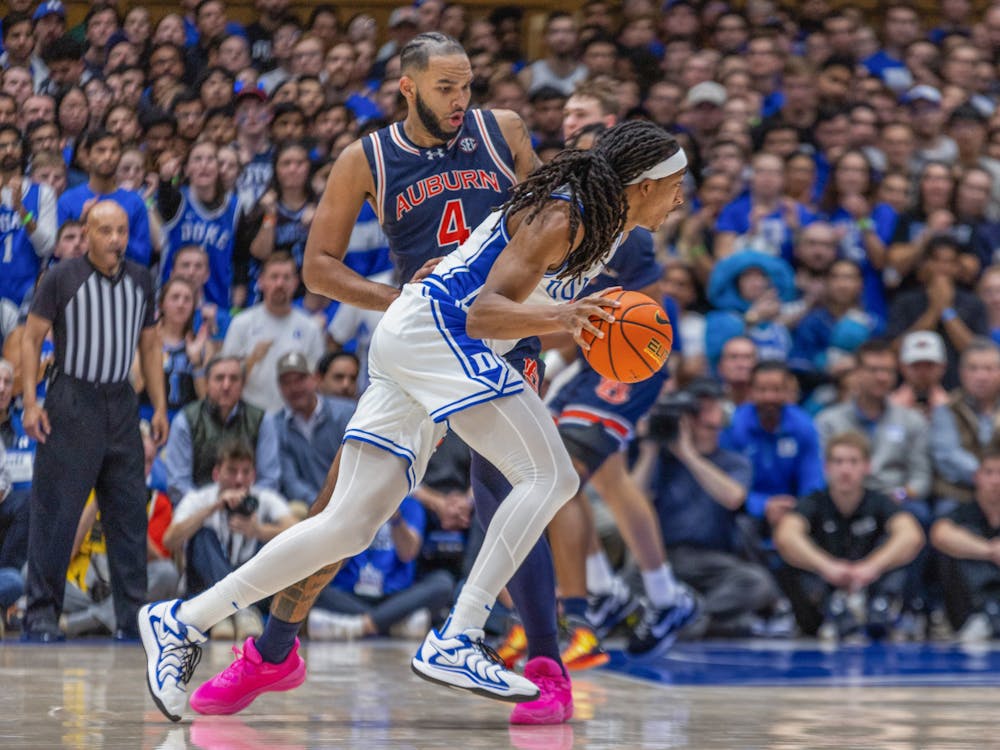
x: 239, y: 548
x: 293, y: 332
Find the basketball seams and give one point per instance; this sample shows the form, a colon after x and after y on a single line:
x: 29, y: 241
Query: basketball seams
x: 638, y: 352
x: 602, y: 353
x: 610, y: 352
x: 647, y: 327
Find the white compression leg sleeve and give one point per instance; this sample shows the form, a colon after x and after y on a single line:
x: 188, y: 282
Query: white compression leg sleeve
x: 371, y: 485
x: 517, y: 435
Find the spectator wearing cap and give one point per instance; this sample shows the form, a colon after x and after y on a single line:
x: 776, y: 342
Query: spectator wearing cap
x: 968, y: 127
x: 927, y: 117
x: 310, y: 428
x: 402, y: 27
x: 941, y: 305
x: 922, y: 360
x: 560, y: 67
x: 261, y: 334
x: 698, y: 488
x: 702, y: 113
x: 901, y: 27
x: 965, y: 427
x: 900, y: 464
x: 50, y: 23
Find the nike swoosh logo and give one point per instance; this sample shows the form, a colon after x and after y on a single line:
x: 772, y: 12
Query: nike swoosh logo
x: 659, y: 318
x: 448, y: 657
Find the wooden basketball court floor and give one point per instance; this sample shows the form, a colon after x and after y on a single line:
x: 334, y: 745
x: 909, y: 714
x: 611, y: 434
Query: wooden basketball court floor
x: 725, y: 696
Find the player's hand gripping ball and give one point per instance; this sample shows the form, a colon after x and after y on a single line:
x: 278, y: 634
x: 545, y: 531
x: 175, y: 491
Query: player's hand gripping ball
x: 636, y: 345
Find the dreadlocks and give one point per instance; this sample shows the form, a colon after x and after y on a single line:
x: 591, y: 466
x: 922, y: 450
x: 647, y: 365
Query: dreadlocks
x: 595, y: 182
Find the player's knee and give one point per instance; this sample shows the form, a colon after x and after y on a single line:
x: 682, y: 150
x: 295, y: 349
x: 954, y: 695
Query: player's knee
x: 565, y: 480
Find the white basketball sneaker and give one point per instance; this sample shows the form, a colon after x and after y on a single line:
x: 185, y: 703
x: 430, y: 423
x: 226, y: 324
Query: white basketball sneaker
x: 172, y: 653
x: 467, y: 663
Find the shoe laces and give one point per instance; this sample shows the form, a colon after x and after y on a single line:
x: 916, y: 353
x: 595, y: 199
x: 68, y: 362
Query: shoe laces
x: 489, y: 652
x: 236, y: 668
x: 189, y: 657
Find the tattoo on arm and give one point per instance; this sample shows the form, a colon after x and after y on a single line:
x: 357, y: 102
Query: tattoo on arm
x: 533, y: 162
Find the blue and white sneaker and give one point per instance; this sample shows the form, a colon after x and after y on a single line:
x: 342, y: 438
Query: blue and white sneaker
x: 172, y: 653
x: 606, y: 611
x: 465, y: 662
x: 659, y: 628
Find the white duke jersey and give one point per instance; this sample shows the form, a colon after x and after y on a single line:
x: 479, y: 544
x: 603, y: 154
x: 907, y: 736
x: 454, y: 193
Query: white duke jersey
x: 460, y: 276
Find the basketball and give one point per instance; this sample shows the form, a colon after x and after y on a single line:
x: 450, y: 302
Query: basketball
x: 636, y: 345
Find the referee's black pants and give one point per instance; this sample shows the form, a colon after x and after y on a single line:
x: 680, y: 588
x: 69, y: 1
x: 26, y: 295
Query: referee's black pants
x: 94, y: 444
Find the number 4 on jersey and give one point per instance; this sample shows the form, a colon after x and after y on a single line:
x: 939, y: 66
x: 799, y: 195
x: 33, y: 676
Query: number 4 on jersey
x: 453, y: 229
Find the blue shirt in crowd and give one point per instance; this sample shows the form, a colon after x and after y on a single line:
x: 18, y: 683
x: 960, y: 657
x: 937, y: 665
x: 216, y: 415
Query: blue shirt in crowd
x: 140, y: 249
x: 775, y: 237
x: 378, y: 571
x: 688, y: 515
x: 308, y: 449
x: 785, y: 462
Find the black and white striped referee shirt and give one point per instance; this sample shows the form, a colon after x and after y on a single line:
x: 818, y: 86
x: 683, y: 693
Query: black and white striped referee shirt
x: 96, y: 319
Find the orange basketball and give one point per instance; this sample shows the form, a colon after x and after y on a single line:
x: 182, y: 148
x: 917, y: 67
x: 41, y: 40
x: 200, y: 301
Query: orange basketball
x: 636, y: 345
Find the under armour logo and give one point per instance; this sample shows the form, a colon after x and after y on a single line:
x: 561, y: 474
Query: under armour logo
x: 435, y: 153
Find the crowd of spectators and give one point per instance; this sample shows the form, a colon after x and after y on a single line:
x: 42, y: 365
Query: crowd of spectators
x: 836, y: 265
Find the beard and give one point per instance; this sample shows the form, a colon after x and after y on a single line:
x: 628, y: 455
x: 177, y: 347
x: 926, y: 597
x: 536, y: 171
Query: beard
x: 10, y: 163
x: 430, y: 121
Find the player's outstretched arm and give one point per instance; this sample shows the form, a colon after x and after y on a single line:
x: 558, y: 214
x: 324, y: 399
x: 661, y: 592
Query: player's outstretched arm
x: 515, y: 132
x: 499, y: 311
x: 323, y: 271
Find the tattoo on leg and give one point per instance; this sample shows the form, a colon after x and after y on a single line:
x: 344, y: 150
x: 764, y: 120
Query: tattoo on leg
x: 293, y: 604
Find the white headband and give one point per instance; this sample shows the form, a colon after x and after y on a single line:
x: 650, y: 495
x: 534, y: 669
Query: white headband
x: 665, y: 168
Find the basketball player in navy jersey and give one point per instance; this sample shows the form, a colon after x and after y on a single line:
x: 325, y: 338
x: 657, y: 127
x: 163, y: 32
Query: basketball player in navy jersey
x: 436, y: 364
x: 431, y: 179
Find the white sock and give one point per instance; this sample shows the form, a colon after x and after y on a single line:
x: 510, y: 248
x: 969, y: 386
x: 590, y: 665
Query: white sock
x: 661, y: 586
x: 600, y: 576
x: 471, y: 611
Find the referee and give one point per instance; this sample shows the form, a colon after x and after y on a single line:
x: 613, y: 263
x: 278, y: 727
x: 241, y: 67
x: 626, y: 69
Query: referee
x: 100, y: 308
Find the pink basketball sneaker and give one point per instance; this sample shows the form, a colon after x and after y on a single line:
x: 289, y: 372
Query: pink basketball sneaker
x: 554, y: 705
x: 248, y: 677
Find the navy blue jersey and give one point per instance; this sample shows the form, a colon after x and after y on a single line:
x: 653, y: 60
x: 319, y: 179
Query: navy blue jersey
x: 589, y: 398
x: 428, y: 200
